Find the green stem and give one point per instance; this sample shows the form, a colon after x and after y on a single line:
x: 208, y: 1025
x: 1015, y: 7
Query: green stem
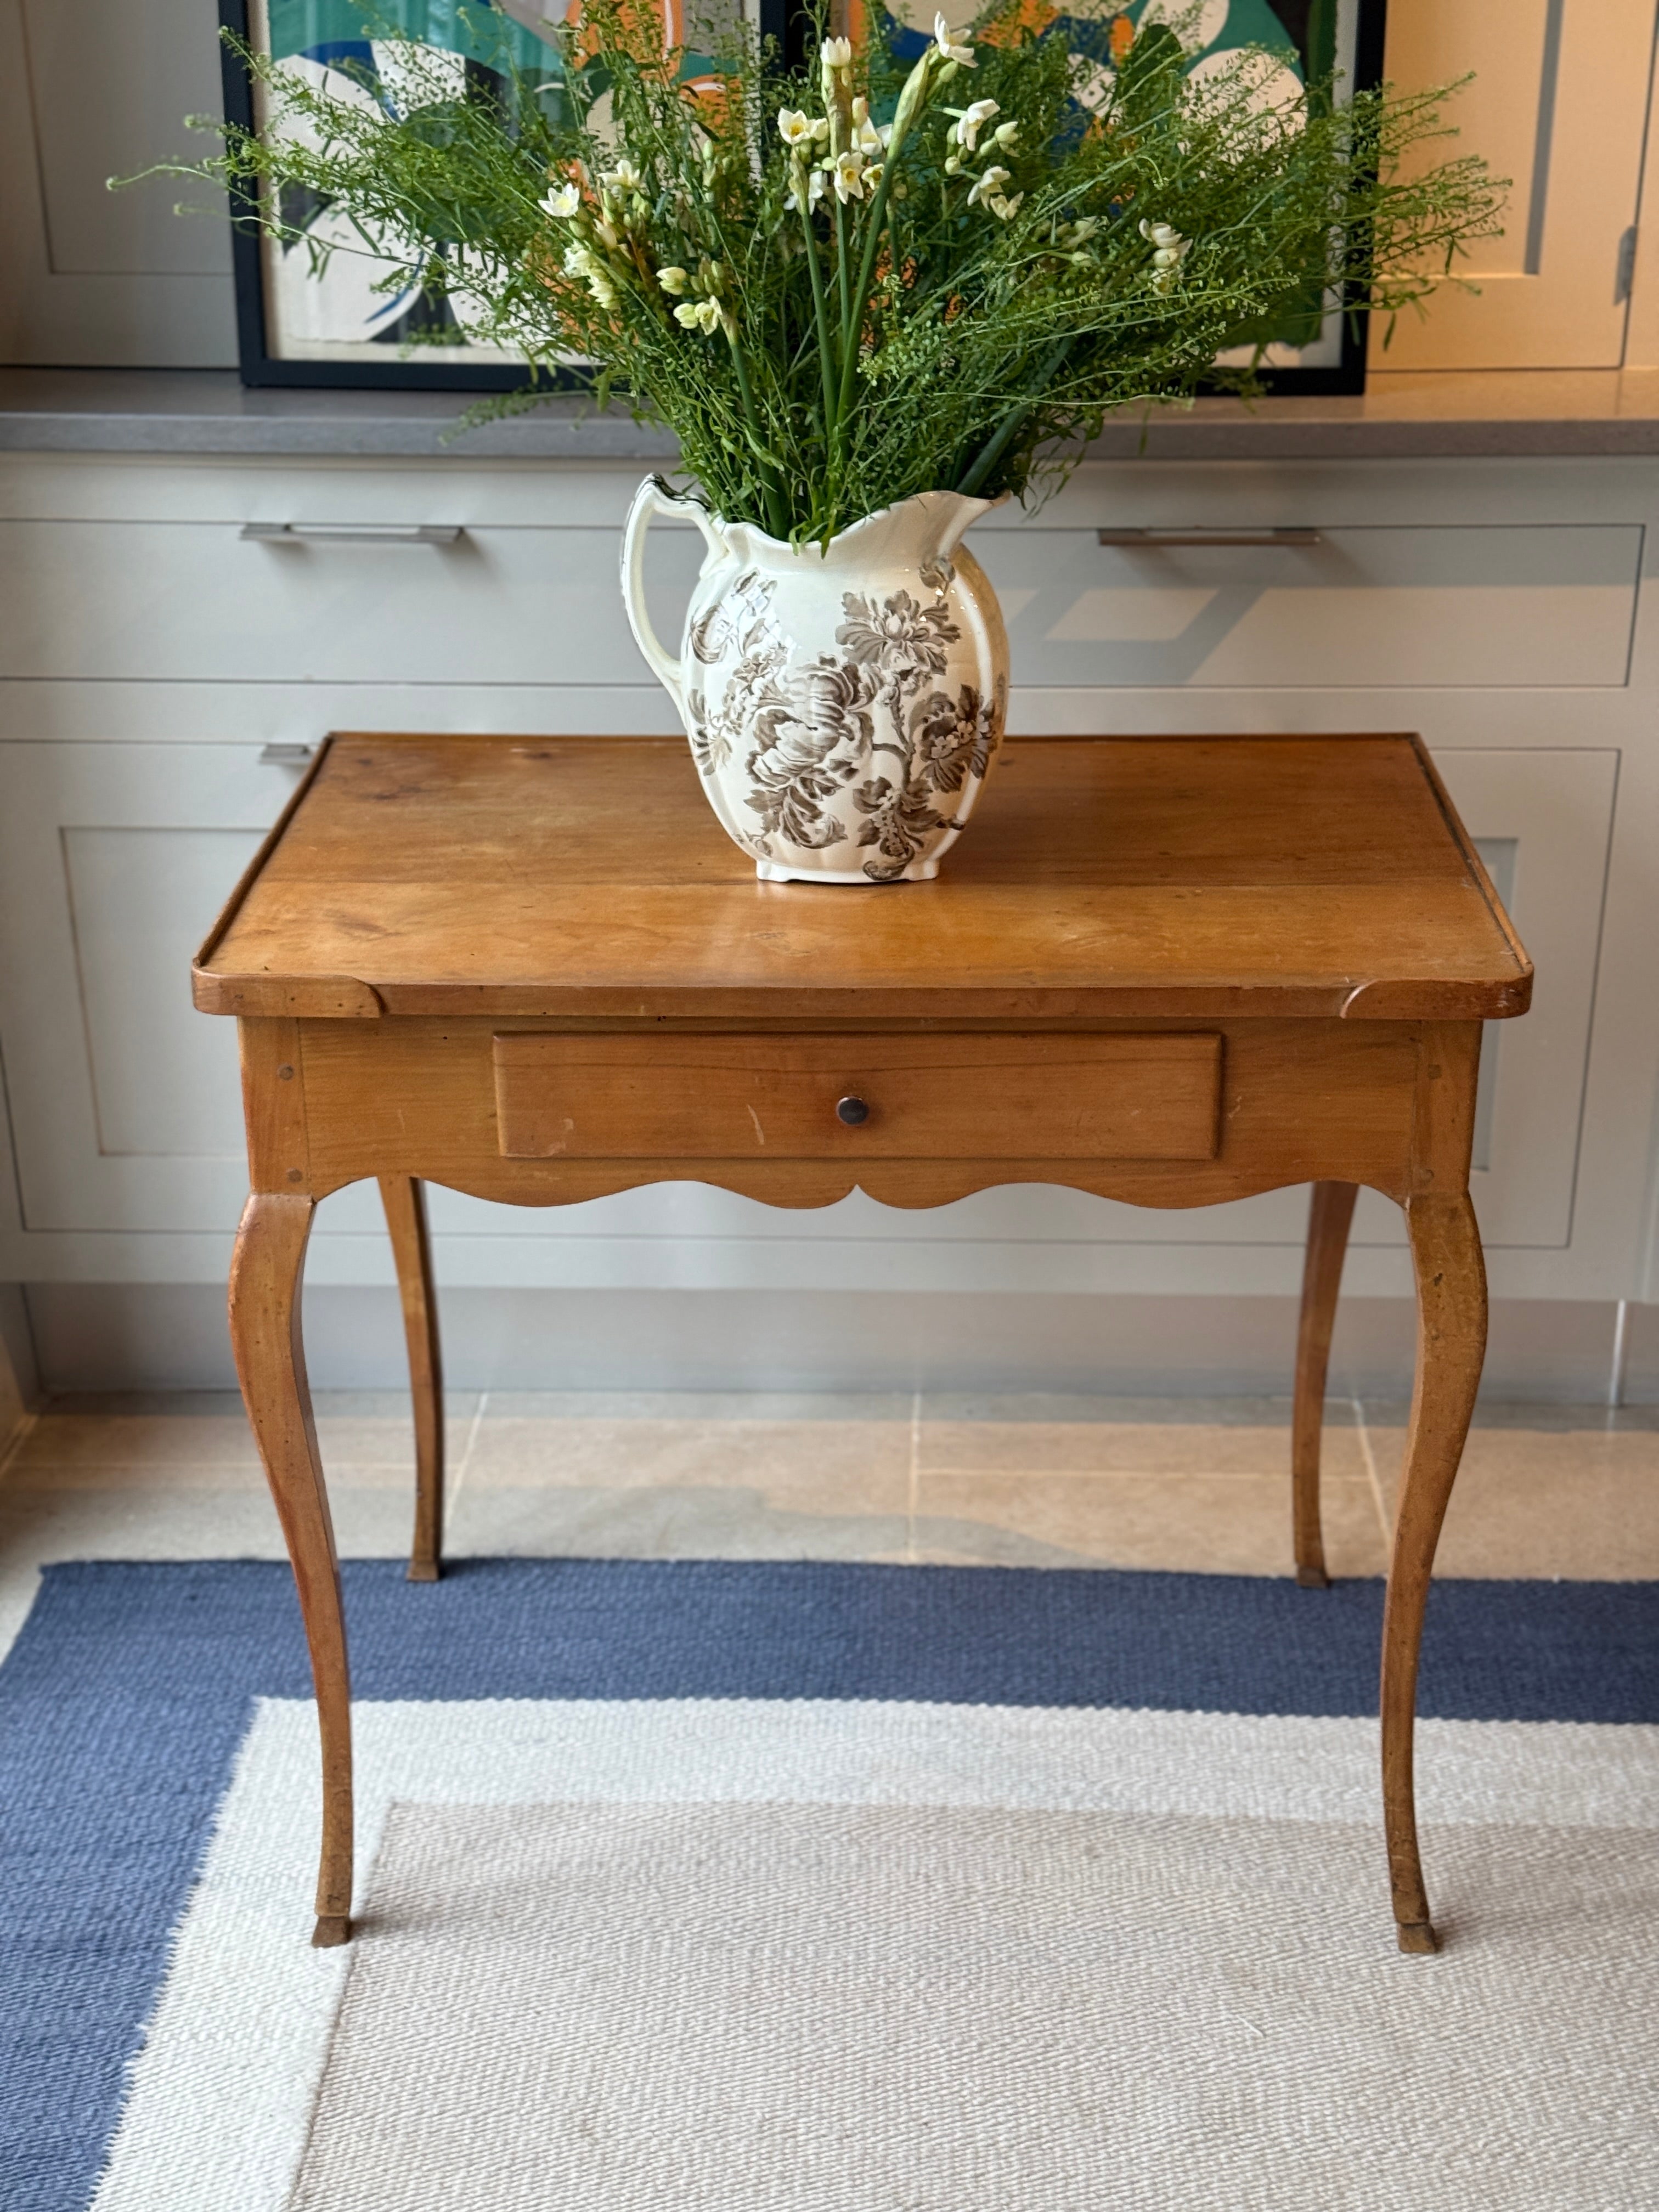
x: 777, y: 516
x: 994, y: 447
x: 821, y: 313
x: 843, y: 275
x: 849, y: 359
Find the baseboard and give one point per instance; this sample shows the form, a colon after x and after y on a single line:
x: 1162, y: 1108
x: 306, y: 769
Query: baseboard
x: 116, y: 1336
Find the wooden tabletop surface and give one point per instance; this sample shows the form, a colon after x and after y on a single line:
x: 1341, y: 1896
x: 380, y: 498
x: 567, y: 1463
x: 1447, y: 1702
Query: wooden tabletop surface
x: 1100, y: 877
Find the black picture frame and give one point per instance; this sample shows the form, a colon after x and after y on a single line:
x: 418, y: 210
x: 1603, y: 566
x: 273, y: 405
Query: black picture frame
x: 1348, y: 375
x: 262, y: 369
x: 791, y: 26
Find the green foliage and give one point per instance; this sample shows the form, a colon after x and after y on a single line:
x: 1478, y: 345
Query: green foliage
x: 956, y: 316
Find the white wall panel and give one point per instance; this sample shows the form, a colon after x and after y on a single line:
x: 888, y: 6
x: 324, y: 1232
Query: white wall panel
x: 87, y: 276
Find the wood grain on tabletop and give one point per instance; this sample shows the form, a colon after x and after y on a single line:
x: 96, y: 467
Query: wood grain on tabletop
x: 455, y: 875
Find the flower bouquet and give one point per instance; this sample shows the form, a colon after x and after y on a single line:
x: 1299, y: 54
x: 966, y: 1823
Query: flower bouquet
x: 871, y: 300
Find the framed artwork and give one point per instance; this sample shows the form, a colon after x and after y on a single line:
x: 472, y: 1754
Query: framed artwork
x: 296, y: 325
x: 333, y: 328
x: 1313, y: 347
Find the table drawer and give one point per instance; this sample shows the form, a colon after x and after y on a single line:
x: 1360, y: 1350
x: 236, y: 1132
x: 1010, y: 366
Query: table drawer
x: 1043, y: 1097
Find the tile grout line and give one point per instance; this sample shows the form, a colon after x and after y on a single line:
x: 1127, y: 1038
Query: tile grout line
x: 914, y: 1496
x: 1370, y: 1457
x: 466, y: 1455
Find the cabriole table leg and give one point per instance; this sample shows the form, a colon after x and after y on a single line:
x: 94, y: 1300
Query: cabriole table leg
x: 264, y: 1334
x: 1322, y: 1278
x: 404, y: 1201
x: 1451, y: 1344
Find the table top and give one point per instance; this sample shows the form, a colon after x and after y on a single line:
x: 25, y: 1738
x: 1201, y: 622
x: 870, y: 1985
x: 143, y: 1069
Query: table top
x: 1100, y: 877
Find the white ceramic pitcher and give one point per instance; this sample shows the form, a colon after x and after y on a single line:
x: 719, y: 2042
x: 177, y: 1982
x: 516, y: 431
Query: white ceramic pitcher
x: 844, y: 705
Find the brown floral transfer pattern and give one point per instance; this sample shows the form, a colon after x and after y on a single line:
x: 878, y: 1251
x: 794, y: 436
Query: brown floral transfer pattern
x: 818, y: 729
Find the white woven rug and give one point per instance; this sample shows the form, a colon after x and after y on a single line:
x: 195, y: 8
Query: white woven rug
x: 745, y: 1957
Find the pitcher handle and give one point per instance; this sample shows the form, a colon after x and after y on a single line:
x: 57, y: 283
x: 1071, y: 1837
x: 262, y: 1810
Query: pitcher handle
x: 650, y: 500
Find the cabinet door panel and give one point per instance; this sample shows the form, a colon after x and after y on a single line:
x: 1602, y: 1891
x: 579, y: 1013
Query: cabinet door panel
x: 1558, y: 104
x: 88, y: 276
x: 125, y: 1101
x: 161, y: 1086
x: 1545, y: 819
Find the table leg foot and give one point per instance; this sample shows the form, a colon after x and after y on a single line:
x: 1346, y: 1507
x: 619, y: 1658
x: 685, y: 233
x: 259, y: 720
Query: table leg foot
x: 1451, y: 1342
x: 423, y: 1571
x: 332, y: 1929
x: 1328, y: 1219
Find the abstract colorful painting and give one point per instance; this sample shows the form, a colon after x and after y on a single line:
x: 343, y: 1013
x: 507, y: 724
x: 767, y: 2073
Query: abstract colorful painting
x: 1311, y: 348
x: 339, y: 324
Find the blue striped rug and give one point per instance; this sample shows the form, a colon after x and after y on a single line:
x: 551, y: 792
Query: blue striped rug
x: 138, y: 1694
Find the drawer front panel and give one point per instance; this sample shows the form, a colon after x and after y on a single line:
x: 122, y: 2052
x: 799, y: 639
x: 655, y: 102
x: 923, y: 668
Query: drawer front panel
x: 1480, y: 605
x: 198, y: 602
x: 1547, y: 604
x: 934, y: 1097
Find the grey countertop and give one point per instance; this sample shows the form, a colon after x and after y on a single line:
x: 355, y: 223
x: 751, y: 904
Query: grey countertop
x: 1402, y: 416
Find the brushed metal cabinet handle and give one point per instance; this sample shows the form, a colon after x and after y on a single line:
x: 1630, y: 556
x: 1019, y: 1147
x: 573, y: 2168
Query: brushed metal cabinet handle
x: 352, y: 533
x: 1159, y: 539
x: 276, y: 755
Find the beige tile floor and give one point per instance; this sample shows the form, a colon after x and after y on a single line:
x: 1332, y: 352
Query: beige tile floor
x: 1037, y: 1481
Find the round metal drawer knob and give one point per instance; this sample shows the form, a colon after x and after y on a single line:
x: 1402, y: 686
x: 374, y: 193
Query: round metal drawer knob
x: 852, y: 1111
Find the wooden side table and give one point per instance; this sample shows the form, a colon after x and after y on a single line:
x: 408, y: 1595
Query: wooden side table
x: 1170, y: 970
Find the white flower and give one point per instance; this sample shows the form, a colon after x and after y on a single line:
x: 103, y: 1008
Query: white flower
x: 1005, y: 209
x: 836, y: 53
x: 582, y: 261
x: 868, y: 136
x: 966, y: 128
x: 1168, y: 241
x: 705, y: 315
x: 607, y: 233
x: 1006, y: 133
x: 624, y: 177
x: 988, y: 184
x: 795, y: 127
x: 847, y: 174
x: 1170, y: 248
x: 563, y: 203
x: 673, y: 280
x: 942, y: 40
x: 817, y: 184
